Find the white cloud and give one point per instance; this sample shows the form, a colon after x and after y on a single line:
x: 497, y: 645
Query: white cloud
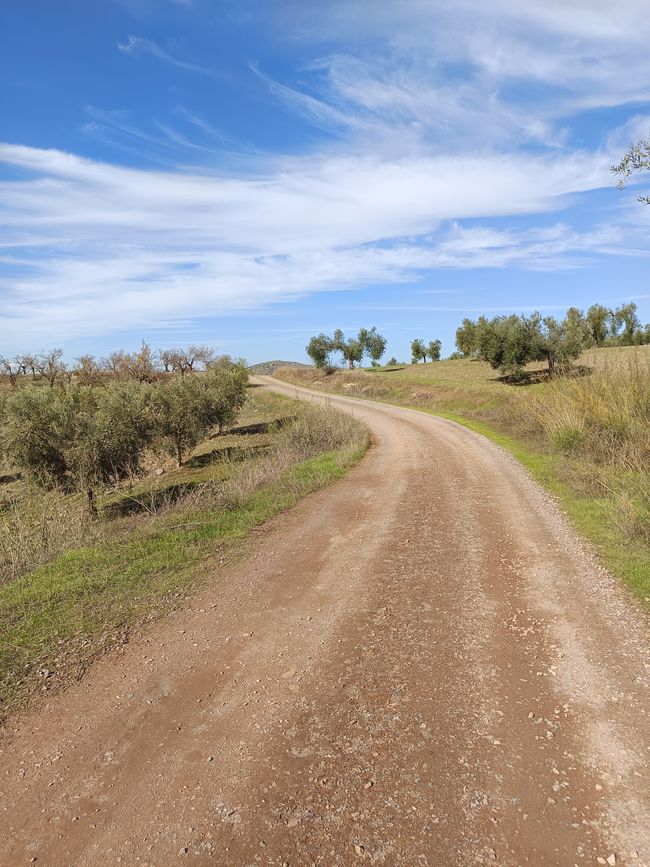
x: 454, y: 74
x: 444, y: 116
x: 136, y: 45
x: 113, y: 249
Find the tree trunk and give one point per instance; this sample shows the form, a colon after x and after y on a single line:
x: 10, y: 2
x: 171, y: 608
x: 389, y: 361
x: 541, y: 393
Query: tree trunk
x: 92, y: 508
x: 551, y: 366
x: 179, y: 452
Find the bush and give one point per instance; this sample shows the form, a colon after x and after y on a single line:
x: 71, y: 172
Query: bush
x: 79, y: 438
x: 568, y: 439
x: 36, y: 425
x: 186, y: 408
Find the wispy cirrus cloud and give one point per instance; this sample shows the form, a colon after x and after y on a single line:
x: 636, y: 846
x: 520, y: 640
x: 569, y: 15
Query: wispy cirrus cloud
x: 451, y: 75
x: 139, y: 45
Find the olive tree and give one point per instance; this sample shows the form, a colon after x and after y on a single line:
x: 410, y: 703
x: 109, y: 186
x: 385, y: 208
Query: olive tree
x: 181, y: 416
x: 434, y: 349
x: 35, y: 431
x: 226, y: 384
x: 79, y: 438
x: 626, y: 317
x: 466, y: 337
x: 373, y: 343
x: 597, y: 319
x: 352, y: 350
x: 418, y: 350
x: 508, y: 343
x: 319, y: 350
x: 187, y: 408
x: 559, y: 342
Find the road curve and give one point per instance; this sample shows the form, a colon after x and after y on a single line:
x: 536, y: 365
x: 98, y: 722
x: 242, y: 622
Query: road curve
x: 420, y: 665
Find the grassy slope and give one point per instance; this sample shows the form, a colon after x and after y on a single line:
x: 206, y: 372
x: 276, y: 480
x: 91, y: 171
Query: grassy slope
x: 57, y: 617
x: 471, y: 393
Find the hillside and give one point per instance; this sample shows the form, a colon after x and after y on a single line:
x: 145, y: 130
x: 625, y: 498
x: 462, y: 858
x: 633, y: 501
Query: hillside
x: 267, y: 368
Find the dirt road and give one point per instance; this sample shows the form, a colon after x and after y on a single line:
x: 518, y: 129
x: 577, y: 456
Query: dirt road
x: 420, y: 665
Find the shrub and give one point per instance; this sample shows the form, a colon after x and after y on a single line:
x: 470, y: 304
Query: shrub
x: 186, y: 408
x: 78, y: 438
x: 568, y: 439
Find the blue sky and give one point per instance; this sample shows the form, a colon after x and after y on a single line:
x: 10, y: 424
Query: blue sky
x: 249, y: 173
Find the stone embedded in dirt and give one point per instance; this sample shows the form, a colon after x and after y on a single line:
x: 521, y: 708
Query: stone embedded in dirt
x: 184, y: 850
x: 358, y: 849
x: 611, y: 860
x: 159, y: 472
x: 291, y: 823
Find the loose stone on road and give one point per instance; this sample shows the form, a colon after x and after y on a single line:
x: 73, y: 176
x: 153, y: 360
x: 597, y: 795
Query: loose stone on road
x: 419, y: 665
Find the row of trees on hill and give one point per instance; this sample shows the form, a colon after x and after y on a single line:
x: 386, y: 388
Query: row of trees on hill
x: 144, y: 365
x: 422, y: 350
x: 322, y: 348
x: 80, y: 437
x: 508, y: 343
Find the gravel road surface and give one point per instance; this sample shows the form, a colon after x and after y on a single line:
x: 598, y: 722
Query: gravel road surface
x: 420, y: 665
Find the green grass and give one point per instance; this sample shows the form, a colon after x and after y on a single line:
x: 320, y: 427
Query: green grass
x: 59, y: 616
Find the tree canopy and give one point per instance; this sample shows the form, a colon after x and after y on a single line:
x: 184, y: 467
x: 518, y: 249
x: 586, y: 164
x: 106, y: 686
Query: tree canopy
x: 637, y: 158
x: 368, y: 342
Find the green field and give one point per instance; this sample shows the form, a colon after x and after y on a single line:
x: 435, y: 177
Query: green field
x: 585, y: 437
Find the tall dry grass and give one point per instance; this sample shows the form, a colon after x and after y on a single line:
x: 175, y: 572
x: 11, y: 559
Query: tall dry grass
x: 601, y: 425
x: 604, y: 417
x: 37, y: 528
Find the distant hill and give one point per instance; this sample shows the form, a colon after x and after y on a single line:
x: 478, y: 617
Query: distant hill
x: 267, y: 368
